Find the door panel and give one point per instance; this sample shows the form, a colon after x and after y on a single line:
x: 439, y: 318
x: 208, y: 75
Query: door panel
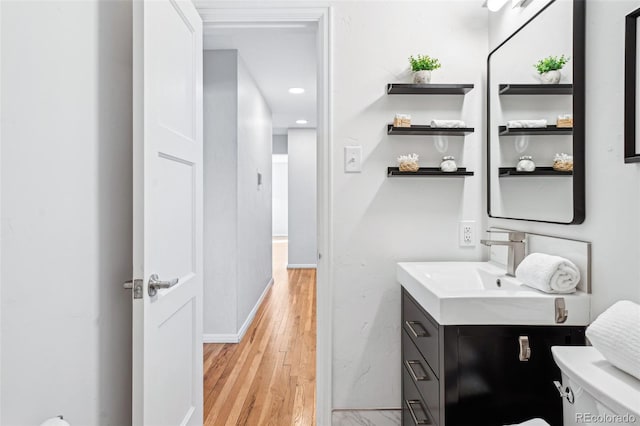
x: 167, y: 358
x: 173, y: 222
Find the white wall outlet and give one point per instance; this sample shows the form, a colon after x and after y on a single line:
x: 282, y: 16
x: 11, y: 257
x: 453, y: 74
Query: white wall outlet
x: 467, y: 233
x: 353, y: 159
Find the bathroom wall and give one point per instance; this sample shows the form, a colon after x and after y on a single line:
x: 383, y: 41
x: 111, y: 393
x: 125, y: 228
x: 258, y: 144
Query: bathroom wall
x: 378, y: 221
x: 303, y: 244
x: 613, y: 192
x: 66, y: 211
x: 237, y: 146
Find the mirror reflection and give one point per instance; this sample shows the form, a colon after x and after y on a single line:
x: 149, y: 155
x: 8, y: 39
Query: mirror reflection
x: 535, y: 133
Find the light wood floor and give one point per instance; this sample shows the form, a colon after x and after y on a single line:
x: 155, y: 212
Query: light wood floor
x: 269, y: 378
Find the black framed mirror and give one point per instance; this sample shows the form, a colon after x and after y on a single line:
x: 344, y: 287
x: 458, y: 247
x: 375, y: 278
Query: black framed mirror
x: 530, y: 116
x: 631, y: 98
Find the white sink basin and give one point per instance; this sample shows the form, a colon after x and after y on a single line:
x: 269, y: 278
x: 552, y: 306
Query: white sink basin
x: 457, y: 293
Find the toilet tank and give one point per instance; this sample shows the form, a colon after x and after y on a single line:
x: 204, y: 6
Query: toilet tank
x: 598, y: 392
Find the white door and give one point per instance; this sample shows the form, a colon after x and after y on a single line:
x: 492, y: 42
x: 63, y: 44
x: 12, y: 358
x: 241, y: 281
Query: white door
x: 167, y: 321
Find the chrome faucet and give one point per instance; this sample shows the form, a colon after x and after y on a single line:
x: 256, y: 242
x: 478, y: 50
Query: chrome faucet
x: 516, y: 249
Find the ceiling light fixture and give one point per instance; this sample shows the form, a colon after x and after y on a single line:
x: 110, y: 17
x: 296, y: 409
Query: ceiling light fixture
x: 301, y: 121
x: 296, y: 90
x: 495, y: 5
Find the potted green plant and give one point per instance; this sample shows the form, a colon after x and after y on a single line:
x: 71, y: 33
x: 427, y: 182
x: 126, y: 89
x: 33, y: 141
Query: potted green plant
x: 549, y: 68
x: 422, y: 65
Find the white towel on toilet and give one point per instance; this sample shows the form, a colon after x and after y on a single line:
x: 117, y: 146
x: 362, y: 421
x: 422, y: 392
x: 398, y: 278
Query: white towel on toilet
x: 450, y: 124
x: 616, y: 335
x: 526, y: 124
x: 551, y: 274
x: 533, y: 422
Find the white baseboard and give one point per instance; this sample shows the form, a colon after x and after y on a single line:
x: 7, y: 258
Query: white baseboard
x: 237, y: 337
x: 220, y: 338
x: 253, y: 312
x: 302, y: 266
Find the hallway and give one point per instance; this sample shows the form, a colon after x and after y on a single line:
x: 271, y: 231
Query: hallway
x: 268, y: 378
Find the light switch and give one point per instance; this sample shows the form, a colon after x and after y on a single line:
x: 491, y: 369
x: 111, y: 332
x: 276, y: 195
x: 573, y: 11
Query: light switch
x: 352, y: 159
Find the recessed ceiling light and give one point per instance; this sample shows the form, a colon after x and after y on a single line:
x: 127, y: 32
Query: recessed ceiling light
x: 296, y: 90
x: 301, y: 121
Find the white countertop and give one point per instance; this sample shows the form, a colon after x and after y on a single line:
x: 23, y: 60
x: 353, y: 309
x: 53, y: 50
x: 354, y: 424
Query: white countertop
x: 467, y: 293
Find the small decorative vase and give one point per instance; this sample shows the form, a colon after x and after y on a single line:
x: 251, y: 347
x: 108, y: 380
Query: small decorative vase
x: 421, y: 77
x: 551, y: 77
x: 448, y: 164
x: 526, y: 164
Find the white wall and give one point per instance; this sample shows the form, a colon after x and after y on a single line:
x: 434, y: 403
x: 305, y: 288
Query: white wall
x: 254, y: 201
x: 220, y: 97
x: 379, y: 221
x: 613, y: 194
x: 66, y: 212
x: 280, y: 144
x: 237, y: 146
x: 280, y: 188
x: 303, y: 244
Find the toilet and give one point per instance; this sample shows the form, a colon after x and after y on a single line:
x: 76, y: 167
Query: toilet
x: 594, y: 392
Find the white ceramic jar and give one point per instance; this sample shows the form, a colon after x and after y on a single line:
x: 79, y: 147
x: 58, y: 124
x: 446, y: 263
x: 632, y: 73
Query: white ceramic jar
x: 448, y: 164
x: 526, y: 164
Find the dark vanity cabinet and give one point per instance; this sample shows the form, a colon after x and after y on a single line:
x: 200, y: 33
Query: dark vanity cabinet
x: 468, y: 375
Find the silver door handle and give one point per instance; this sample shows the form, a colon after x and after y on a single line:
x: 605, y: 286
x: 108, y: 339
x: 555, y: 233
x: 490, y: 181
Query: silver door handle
x: 155, y: 283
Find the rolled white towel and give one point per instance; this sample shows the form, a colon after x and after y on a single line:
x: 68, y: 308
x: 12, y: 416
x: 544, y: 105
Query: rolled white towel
x: 616, y: 335
x: 526, y: 124
x: 551, y: 274
x: 453, y: 124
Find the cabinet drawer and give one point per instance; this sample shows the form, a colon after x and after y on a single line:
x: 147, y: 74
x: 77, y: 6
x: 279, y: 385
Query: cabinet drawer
x: 421, y: 330
x: 414, y: 410
x: 423, y: 378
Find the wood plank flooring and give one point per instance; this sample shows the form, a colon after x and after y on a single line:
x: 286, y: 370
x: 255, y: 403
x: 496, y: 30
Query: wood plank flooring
x: 270, y: 377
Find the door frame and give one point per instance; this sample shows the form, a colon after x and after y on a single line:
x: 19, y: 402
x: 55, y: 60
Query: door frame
x: 254, y: 13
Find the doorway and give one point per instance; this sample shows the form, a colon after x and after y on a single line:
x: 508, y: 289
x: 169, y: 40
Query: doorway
x: 318, y: 301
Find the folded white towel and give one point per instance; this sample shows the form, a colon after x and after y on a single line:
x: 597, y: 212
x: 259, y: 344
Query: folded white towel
x: 533, y: 422
x: 616, y: 335
x: 551, y: 274
x: 526, y: 124
x: 453, y: 124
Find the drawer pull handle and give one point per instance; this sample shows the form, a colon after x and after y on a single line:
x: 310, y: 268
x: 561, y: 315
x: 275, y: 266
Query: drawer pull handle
x: 410, y: 405
x: 422, y: 378
x: 525, y: 349
x: 411, y: 324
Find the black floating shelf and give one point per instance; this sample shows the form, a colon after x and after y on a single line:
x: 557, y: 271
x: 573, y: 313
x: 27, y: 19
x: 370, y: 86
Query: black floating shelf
x: 543, y: 131
x: 428, y: 130
x: 428, y: 172
x: 428, y: 89
x: 539, y: 171
x: 536, y: 89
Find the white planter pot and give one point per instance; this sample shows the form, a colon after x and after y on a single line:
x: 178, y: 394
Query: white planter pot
x: 551, y: 77
x: 420, y: 77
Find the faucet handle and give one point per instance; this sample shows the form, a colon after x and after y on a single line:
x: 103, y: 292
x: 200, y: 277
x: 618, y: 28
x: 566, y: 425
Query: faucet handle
x: 515, y: 236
